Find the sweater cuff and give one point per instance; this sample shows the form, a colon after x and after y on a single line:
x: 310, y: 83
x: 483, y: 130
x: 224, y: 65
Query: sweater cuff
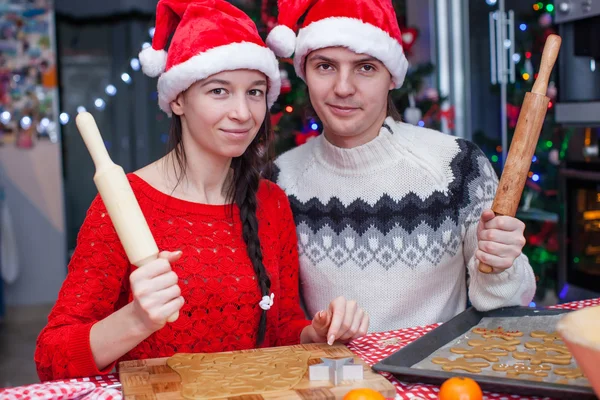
x: 513, y: 287
x: 80, y: 353
x: 292, y: 330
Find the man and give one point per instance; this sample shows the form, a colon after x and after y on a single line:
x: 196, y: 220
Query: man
x: 389, y: 214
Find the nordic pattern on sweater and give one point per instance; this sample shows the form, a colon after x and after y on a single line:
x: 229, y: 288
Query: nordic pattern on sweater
x: 393, y: 224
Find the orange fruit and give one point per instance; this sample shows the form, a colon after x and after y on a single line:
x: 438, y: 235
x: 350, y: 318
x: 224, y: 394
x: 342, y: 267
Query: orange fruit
x: 363, y: 394
x: 460, y: 388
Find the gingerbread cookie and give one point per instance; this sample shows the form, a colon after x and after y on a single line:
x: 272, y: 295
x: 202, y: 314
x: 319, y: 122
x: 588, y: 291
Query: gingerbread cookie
x: 489, y: 344
x: 497, y: 333
x: 546, y: 336
x: 514, y: 371
x: 478, y: 352
x: 548, y: 346
x: 460, y: 364
x: 569, y: 373
x: 543, y: 357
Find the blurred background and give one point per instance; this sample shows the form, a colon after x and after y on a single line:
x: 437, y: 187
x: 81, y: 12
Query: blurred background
x: 472, y: 61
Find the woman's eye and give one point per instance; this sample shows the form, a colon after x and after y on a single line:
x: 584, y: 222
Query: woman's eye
x: 324, y: 67
x: 368, y: 68
x: 218, y: 92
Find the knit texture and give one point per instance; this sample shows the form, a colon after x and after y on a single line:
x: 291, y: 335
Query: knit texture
x: 221, y: 310
x: 393, y: 225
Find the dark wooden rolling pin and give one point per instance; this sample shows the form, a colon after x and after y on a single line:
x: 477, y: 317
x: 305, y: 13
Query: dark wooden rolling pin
x: 524, y: 142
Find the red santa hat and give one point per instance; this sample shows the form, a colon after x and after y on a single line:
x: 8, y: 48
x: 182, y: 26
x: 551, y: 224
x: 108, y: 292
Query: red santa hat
x: 210, y: 36
x: 363, y: 26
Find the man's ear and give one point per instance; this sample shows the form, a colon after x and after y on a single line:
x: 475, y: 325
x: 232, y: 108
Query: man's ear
x: 177, y: 104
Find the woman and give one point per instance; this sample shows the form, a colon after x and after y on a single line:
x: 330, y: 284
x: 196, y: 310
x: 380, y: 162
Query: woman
x: 233, y: 278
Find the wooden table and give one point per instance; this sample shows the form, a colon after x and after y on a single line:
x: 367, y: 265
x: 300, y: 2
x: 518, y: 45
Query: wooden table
x: 371, y: 348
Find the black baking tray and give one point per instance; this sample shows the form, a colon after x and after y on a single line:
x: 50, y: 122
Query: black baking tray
x: 399, y: 363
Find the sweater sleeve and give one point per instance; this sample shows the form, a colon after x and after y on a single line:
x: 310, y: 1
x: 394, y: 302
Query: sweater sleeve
x: 513, y: 287
x: 291, y: 317
x: 89, y: 293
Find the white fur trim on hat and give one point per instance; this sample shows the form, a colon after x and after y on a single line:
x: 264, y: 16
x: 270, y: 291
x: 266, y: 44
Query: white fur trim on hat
x: 282, y: 40
x: 360, y: 37
x: 244, y: 55
x: 153, y: 61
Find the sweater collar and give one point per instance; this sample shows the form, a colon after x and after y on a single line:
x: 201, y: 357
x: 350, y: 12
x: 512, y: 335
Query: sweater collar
x: 395, y: 143
x: 378, y: 154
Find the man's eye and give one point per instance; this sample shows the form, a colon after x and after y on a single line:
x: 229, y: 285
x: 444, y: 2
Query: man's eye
x: 256, y: 92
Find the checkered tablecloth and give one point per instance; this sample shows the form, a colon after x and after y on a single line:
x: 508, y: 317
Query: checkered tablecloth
x: 371, y: 348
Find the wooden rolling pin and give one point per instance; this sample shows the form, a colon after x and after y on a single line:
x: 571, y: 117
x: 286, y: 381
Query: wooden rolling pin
x: 524, y: 142
x: 120, y: 202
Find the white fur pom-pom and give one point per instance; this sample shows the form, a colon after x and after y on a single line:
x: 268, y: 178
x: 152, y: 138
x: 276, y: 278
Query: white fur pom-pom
x: 282, y: 40
x: 153, y: 61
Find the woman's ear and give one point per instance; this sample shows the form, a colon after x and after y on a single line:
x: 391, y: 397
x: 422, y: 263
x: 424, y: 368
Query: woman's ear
x: 177, y: 104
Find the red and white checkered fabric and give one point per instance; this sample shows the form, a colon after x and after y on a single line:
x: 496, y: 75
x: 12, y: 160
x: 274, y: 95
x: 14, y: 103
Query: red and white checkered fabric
x: 371, y: 348
x: 93, y: 388
x: 61, y: 391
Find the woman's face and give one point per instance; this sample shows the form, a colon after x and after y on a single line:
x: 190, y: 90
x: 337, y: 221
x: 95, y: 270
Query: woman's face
x: 223, y: 113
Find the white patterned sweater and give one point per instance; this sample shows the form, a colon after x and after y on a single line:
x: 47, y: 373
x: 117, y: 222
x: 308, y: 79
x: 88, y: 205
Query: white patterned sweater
x: 392, y: 224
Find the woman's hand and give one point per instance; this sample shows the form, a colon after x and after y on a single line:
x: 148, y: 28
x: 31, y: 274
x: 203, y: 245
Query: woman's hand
x: 343, y: 321
x: 156, y: 294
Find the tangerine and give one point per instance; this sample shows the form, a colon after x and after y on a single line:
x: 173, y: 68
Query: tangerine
x: 363, y: 394
x: 460, y: 388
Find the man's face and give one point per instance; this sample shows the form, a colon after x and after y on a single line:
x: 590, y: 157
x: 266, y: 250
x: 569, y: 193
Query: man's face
x: 349, y: 92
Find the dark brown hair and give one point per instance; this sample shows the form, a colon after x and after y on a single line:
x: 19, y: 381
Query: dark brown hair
x: 242, y: 189
x: 392, y: 111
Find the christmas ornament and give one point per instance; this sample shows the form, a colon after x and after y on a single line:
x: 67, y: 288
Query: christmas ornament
x: 302, y: 138
x: 409, y: 37
x: 431, y: 94
x: 545, y: 20
x: 529, y: 68
x: 512, y: 112
x: 553, y: 157
x: 552, y: 91
x: 286, y: 84
x: 412, y: 114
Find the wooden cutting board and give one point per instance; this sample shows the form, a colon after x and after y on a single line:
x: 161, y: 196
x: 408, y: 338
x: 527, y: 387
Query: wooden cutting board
x: 153, y: 379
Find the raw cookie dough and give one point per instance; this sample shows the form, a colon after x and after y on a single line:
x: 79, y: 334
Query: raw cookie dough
x: 460, y: 364
x: 205, y: 376
x: 497, y: 333
x: 514, y: 371
x: 543, y: 357
x: 478, y: 352
x: 489, y: 344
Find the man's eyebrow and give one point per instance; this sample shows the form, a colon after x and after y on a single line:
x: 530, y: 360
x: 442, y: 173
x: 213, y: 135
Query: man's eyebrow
x: 366, y: 59
x: 332, y: 61
x: 218, y: 81
x: 321, y: 58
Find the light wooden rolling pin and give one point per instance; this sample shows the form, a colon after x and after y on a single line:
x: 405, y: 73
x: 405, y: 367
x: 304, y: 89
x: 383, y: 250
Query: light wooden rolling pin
x: 527, y: 133
x: 120, y: 202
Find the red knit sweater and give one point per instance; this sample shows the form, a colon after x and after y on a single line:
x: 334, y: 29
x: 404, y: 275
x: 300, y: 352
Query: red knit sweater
x: 221, y: 311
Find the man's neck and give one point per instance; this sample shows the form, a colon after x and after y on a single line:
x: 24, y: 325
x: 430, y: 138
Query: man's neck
x: 350, y: 142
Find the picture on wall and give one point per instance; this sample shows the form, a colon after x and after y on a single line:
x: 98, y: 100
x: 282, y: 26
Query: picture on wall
x: 28, y: 83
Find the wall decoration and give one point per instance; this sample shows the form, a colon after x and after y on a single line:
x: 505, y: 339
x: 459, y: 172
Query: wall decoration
x: 28, y: 77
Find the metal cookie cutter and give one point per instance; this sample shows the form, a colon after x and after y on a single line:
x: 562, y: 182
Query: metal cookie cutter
x: 342, y: 369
